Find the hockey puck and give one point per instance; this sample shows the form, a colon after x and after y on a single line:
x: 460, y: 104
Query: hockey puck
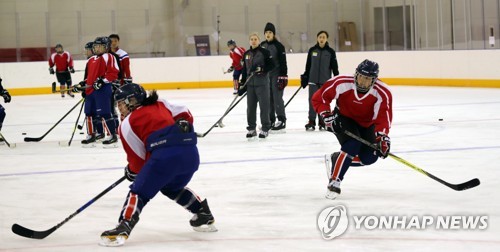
x: 24, y: 133
x: 81, y: 133
x: 440, y: 119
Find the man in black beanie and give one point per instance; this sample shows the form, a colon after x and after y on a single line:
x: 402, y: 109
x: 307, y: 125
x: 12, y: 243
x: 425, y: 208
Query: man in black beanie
x: 278, y: 78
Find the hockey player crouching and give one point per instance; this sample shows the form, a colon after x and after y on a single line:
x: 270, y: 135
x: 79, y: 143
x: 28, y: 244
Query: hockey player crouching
x: 160, y: 143
x: 363, y: 107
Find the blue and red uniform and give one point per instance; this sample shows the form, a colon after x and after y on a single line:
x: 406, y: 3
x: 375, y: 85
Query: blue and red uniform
x: 163, y: 156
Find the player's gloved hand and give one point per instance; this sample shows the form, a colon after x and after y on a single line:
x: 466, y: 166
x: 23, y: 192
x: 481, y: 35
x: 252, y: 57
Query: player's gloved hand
x: 304, y: 80
x: 129, y: 175
x: 98, y: 84
x: 383, y: 142
x: 183, y: 125
x: 71, y: 70
x: 332, y: 122
x: 6, y: 96
x: 230, y: 69
x: 51, y: 70
x: 282, y: 82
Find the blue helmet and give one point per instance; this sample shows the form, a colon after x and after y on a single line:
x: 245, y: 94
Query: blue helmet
x: 132, y: 94
x: 366, y: 68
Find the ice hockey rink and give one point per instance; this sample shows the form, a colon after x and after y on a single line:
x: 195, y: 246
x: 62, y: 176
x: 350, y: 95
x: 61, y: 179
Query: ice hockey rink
x: 265, y: 195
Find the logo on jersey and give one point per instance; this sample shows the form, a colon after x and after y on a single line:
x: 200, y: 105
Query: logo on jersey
x: 333, y: 222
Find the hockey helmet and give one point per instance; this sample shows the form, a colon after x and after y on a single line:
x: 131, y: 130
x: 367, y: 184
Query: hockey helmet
x: 104, y: 41
x: 369, y: 69
x: 89, y: 45
x: 59, y: 46
x: 133, y: 95
x: 231, y: 42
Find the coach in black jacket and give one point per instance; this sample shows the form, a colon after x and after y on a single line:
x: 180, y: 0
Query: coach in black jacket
x: 321, y: 63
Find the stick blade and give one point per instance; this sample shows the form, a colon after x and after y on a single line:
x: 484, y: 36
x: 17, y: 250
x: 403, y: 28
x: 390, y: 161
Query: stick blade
x: 468, y: 185
x: 32, y: 139
x: 28, y: 233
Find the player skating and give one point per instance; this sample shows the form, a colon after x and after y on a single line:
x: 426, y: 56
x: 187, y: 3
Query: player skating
x: 102, y: 70
x: 63, y: 61
x: 160, y: 143
x: 363, y: 106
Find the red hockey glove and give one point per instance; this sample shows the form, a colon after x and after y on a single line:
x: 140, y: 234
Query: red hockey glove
x: 384, y: 144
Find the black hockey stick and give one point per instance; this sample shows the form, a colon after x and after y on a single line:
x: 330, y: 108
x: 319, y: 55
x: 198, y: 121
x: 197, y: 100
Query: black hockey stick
x: 231, y: 106
x: 38, y: 139
x: 300, y: 87
x: 457, y: 187
x: 28, y: 233
x: 5, y: 140
x: 222, y: 117
x: 76, y: 123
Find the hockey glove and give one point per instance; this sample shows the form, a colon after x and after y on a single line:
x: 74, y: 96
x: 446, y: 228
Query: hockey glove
x: 384, y: 144
x: 282, y: 82
x: 230, y: 69
x: 183, y: 125
x: 332, y: 122
x: 71, y: 70
x: 130, y: 175
x: 51, y: 70
x: 304, y: 80
x: 6, y: 96
x: 98, y: 84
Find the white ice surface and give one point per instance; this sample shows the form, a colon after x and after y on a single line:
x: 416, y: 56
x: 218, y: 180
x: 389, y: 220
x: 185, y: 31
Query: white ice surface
x: 265, y: 195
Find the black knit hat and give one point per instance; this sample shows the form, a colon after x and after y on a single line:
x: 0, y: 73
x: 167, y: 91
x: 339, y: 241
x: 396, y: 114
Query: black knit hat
x: 270, y: 27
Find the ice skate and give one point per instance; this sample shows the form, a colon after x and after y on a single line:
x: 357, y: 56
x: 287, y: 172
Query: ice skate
x: 310, y: 126
x: 263, y: 135
x: 203, y: 221
x: 278, y: 127
x: 71, y: 94
x: 333, y: 189
x: 111, y: 142
x: 99, y: 137
x: 251, y: 135
x: 89, y: 142
x: 62, y: 95
x: 117, y: 236
x: 321, y: 126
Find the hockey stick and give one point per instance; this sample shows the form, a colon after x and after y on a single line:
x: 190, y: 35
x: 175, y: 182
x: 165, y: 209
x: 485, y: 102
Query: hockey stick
x: 76, y: 123
x: 38, y: 139
x: 28, y: 233
x: 231, y: 106
x: 224, y: 71
x: 300, y: 87
x: 222, y: 117
x: 13, y: 145
x: 457, y: 187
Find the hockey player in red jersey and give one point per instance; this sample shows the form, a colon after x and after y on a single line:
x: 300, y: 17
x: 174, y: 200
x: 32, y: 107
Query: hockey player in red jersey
x: 102, y: 70
x: 160, y: 143
x: 124, y: 59
x: 363, y: 107
x: 236, y: 55
x: 63, y: 61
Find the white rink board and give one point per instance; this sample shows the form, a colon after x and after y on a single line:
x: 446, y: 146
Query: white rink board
x: 265, y: 195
